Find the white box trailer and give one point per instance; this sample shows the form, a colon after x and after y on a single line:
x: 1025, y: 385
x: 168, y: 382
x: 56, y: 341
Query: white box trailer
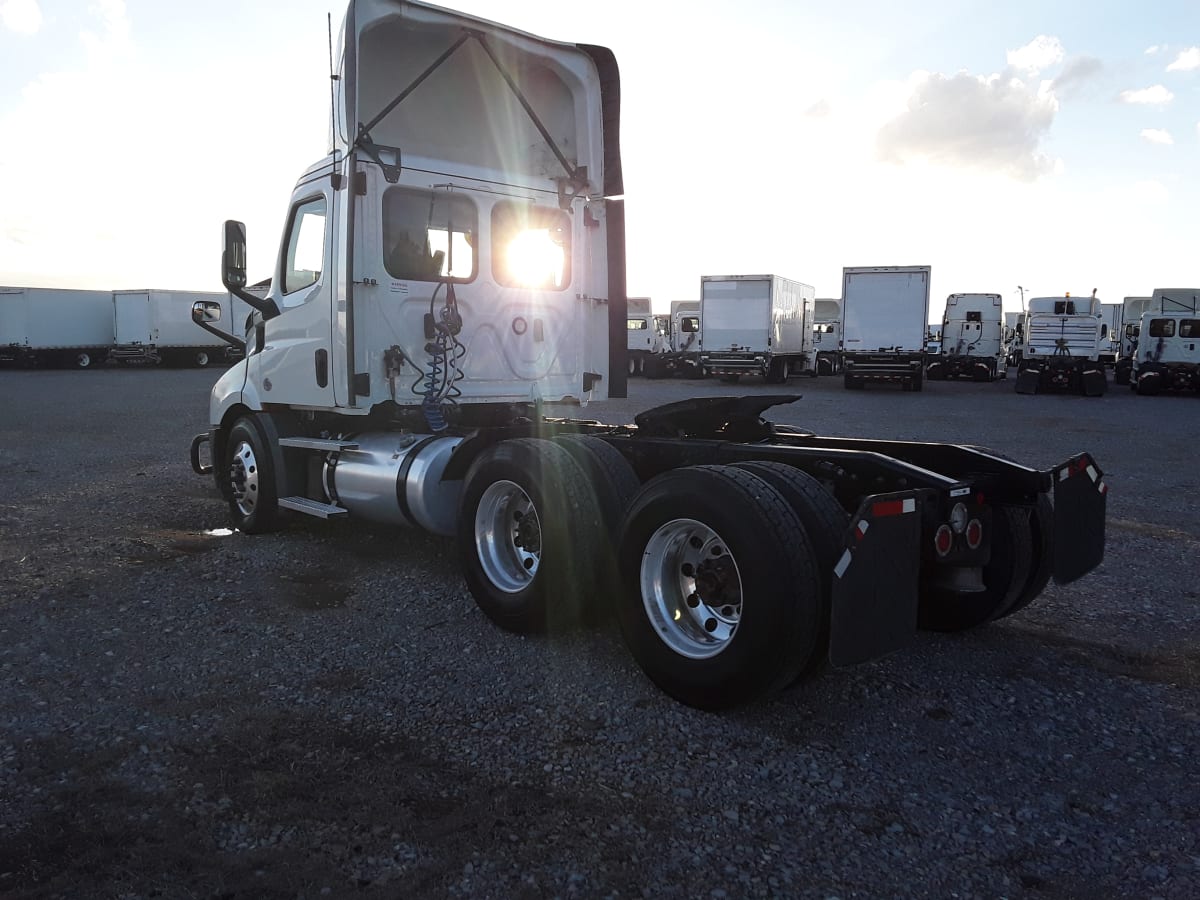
x: 155, y: 326
x: 55, y: 326
x: 885, y: 315
x: 972, y: 339
x: 756, y: 325
x: 827, y: 334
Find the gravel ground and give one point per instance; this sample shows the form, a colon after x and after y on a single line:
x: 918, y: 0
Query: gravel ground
x: 323, y: 711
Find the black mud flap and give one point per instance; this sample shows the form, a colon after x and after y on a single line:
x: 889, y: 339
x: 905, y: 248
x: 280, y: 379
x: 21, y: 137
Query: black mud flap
x: 874, y: 602
x: 1094, y: 382
x: 1080, y: 498
x: 1027, y: 381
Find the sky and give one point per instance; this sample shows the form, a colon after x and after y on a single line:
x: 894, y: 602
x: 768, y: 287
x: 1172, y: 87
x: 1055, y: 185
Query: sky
x: 1047, y: 144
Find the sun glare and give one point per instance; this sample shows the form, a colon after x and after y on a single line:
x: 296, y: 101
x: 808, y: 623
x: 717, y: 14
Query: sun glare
x: 534, y: 259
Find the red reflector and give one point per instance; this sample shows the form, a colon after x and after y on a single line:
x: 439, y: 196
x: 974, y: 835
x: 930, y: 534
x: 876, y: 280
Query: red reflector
x: 887, y: 508
x: 943, y: 539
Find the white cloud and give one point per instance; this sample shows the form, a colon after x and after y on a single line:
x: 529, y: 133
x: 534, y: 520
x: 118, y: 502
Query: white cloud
x: 1186, y: 61
x: 818, y: 110
x: 1076, y: 75
x: 1151, y: 96
x: 21, y: 16
x: 1157, y: 136
x: 1040, y: 53
x: 1150, y: 51
x: 969, y: 121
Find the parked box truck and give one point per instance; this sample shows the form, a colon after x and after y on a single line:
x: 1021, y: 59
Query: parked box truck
x: 55, y: 327
x: 972, y: 339
x: 639, y: 332
x: 756, y: 325
x: 885, y: 311
x: 155, y: 326
x: 827, y: 334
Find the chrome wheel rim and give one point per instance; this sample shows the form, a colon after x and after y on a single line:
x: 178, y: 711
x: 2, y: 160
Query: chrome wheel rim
x: 691, y: 588
x: 83, y: 360
x: 508, y: 536
x: 202, y: 359
x: 243, y: 478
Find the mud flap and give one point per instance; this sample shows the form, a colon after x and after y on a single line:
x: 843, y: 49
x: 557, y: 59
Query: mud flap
x: 1094, y: 383
x: 1080, y: 499
x: 874, y: 597
x: 1027, y: 381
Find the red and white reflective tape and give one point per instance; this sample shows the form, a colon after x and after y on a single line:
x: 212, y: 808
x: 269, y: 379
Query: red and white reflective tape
x: 893, y: 507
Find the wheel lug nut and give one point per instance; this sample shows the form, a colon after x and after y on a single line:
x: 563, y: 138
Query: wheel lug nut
x: 710, y: 625
x: 693, y: 600
x: 695, y: 542
x: 688, y: 570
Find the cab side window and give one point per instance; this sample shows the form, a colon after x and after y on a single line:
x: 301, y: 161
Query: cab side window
x: 429, y: 235
x: 306, y: 246
x: 1189, y: 328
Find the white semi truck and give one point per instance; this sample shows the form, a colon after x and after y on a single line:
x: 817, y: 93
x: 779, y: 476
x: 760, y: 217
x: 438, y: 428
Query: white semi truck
x: 756, y: 325
x: 55, y: 326
x: 1061, y: 349
x: 1111, y: 316
x: 153, y: 326
x: 972, y: 339
x: 1132, y: 309
x: 885, y: 311
x: 827, y: 334
x: 641, y: 333
x: 420, y: 320
x: 1167, y: 354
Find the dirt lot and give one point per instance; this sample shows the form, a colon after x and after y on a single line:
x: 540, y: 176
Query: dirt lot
x: 187, y: 712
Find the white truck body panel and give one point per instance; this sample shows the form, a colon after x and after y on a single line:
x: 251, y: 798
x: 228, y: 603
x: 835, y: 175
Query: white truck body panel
x: 756, y: 314
x: 754, y: 324
x: 163, y: 319
x: 885, y: 308
x: 55, y: 318
x: 971, y: 338
x: 1110, y: 330
x: 1171, y: 300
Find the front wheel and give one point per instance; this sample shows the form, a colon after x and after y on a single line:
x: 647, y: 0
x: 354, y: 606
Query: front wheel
x: 529, y: 526
x: 253, y: 499
x: 201, y: 359
x: 722, y: 601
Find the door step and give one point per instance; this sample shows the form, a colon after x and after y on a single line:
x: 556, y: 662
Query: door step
x: 307, y: 443
x: 312, y: 507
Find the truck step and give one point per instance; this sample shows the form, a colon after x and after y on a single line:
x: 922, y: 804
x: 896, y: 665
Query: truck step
x: 307, y: 443
x: 312, y: 507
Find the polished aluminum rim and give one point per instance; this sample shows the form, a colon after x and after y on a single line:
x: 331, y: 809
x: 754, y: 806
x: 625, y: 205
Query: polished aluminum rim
x: 508, y: 536
x: 243, y: 478
x: 691, y: 588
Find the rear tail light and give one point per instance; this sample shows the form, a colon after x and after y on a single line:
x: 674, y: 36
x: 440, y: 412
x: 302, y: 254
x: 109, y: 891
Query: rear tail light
x: 943, y: 540
x: 974, y: 534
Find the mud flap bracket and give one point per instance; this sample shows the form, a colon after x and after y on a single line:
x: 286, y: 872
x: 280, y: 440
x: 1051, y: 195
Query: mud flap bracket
x: 875, y: 593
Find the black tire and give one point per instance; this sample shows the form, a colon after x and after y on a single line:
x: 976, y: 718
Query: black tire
x: 825, y: 523
x: 1041, y: 563
x: 1004, y: 578
x: 633, y: 366
x: 613, y: 484
x: 253, y: 497
x: 1121, y: 373
x: 201, y: 359
x: 918, y: 382
x: 732, y: 606
x: 529, y: 576
x: 1148, y: 386
x: 82, y: 360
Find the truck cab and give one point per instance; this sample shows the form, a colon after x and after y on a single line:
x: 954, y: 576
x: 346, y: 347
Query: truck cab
x: 1167, y: 357
x: 1061, y: 349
